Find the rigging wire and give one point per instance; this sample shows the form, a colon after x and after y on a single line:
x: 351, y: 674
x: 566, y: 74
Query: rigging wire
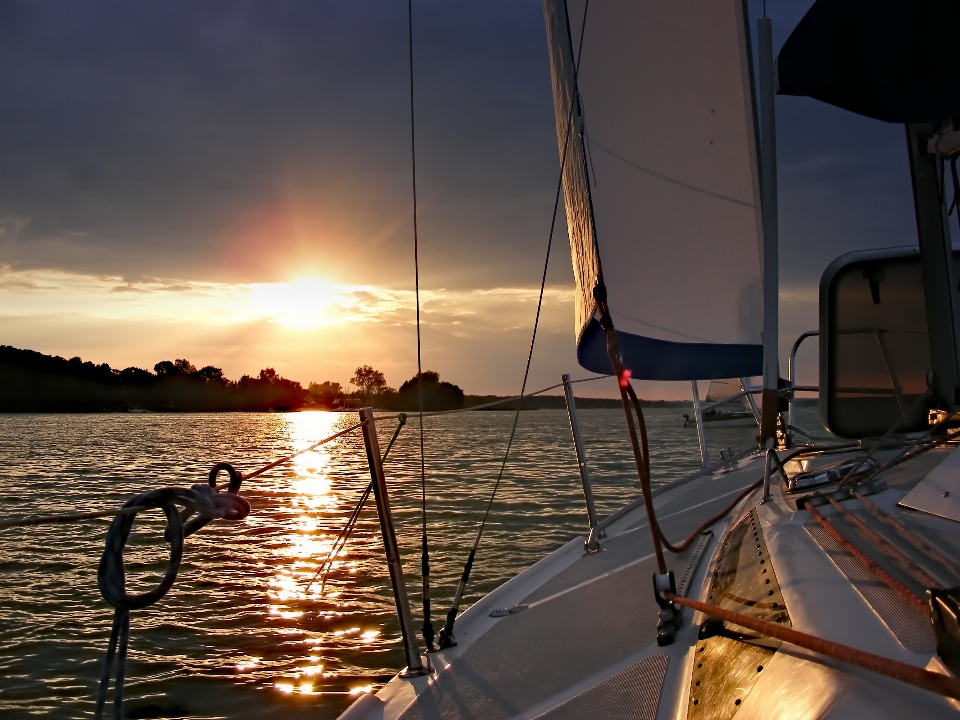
x: 344, y: 536
x: 505, y: 400
x: 427, y: 628
x: 446, y: 638
x: 134, y: 509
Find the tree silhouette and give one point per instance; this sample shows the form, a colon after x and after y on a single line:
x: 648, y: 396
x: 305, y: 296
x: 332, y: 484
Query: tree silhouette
x: 427, y: 377
x: 369, y: 380
x: 268, y: 375
x: 164, y: 368
x: 185, y: 367
x: 212, y: 374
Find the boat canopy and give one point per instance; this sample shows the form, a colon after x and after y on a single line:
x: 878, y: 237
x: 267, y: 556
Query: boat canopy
x: 893, y: 60
x: 657, y: 135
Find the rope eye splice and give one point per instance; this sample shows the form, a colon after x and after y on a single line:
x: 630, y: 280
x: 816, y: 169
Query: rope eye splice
x: 201, y: 504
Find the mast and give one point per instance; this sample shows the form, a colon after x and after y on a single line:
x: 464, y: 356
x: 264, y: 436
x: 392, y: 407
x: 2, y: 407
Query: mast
x: 936, y: 267
x: 768, y: 189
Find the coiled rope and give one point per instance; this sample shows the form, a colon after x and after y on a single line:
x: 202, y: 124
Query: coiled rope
x: 205, y: 503
x: 201, y: 504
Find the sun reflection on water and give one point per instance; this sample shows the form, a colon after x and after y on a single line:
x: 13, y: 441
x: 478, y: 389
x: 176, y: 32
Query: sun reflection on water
x: 311, y: 484
x: 313, y: 501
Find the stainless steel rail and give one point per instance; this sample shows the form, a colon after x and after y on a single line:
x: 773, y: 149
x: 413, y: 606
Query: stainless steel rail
x: 792, y: 378
x: 415, y: 666
x: 730, y: 398
x: 593, y: 540
x: 701, y: 434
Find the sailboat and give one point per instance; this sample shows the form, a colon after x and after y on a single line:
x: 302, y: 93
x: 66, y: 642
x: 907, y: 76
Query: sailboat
x: 811, y: 581
x: 727, y: 401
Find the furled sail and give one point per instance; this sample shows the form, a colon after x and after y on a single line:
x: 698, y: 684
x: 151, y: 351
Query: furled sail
x: 656, y: 130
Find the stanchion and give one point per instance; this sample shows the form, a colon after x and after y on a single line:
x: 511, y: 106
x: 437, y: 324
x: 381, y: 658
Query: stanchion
x: 593, y: 540
x: 415, y: 666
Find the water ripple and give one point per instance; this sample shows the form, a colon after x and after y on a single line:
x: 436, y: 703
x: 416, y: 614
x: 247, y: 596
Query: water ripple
x: 239, y: 635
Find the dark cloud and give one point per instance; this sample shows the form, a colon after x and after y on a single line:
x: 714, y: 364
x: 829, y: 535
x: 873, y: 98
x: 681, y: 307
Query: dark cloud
x: 245, y: 141
x: 192, y: 138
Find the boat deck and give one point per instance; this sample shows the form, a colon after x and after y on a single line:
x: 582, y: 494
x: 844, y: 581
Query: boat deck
x: 581, y: 638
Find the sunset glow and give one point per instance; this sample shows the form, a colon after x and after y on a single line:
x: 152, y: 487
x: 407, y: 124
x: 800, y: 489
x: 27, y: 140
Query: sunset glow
x: 309, y: 304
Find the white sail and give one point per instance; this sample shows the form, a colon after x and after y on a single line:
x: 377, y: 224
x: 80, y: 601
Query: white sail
x: 668, y: 143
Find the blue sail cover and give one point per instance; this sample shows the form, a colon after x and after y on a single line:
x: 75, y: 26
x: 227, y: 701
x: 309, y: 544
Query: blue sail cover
x: 893, y: 60
x: 651, y: 359
x: 657, y: 138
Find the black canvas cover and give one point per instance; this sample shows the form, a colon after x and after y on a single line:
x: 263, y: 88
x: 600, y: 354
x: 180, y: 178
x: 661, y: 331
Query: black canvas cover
x: 893, y: 60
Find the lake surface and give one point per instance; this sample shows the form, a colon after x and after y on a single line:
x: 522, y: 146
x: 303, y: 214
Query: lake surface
x: 240, y: 635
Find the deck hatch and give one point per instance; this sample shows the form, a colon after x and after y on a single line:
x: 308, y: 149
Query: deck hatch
x: 728, y: 661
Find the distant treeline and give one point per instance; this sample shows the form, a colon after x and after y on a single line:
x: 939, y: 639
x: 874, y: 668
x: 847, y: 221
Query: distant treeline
x: 372, y: 389
x: 440, y: 395
x: 33, y: 382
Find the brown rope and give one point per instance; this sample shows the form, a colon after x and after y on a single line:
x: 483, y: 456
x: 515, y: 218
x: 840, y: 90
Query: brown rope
x: 680, y: 547
x: 918, y: 572
x: 934, y: 682
x: 894, y: 584
x: 641, y: 448
x: 910, y: 536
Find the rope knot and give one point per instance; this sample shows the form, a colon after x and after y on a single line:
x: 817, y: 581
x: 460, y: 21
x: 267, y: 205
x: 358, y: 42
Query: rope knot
x: 201, y: 504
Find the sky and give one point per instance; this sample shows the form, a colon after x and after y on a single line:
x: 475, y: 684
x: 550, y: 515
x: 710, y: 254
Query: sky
x: 230, y: 182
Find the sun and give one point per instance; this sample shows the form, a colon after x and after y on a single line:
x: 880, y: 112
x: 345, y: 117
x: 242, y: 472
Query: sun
x: 304, y: 304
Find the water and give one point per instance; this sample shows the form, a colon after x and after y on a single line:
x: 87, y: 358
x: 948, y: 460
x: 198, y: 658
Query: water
x: 239, y: 635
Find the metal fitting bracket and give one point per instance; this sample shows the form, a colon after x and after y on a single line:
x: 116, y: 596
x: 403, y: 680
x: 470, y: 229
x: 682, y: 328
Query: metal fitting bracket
x: 669, y: 617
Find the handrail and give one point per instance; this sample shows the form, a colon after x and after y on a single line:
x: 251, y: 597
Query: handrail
x: 415, y: 666
x: 792, y: 375
x: 592, y: 545
x: 753, y: 404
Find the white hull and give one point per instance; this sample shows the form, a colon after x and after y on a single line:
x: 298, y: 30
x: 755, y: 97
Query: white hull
x: 585, y: 646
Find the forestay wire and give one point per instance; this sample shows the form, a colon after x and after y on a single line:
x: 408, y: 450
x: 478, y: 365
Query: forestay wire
x: 446, y: 638
x: 427, y: 628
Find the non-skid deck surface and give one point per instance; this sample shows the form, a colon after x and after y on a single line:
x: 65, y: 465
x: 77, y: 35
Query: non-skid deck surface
x: 631, y: 694
x: 678, y: 518
x: 911, y: 629
x: 531, y: 656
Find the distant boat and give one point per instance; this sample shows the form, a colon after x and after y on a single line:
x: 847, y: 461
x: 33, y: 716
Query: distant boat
x: 733, y: 412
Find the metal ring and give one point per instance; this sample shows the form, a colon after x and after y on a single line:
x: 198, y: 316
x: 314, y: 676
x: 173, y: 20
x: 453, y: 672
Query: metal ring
x: 236, y: 478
